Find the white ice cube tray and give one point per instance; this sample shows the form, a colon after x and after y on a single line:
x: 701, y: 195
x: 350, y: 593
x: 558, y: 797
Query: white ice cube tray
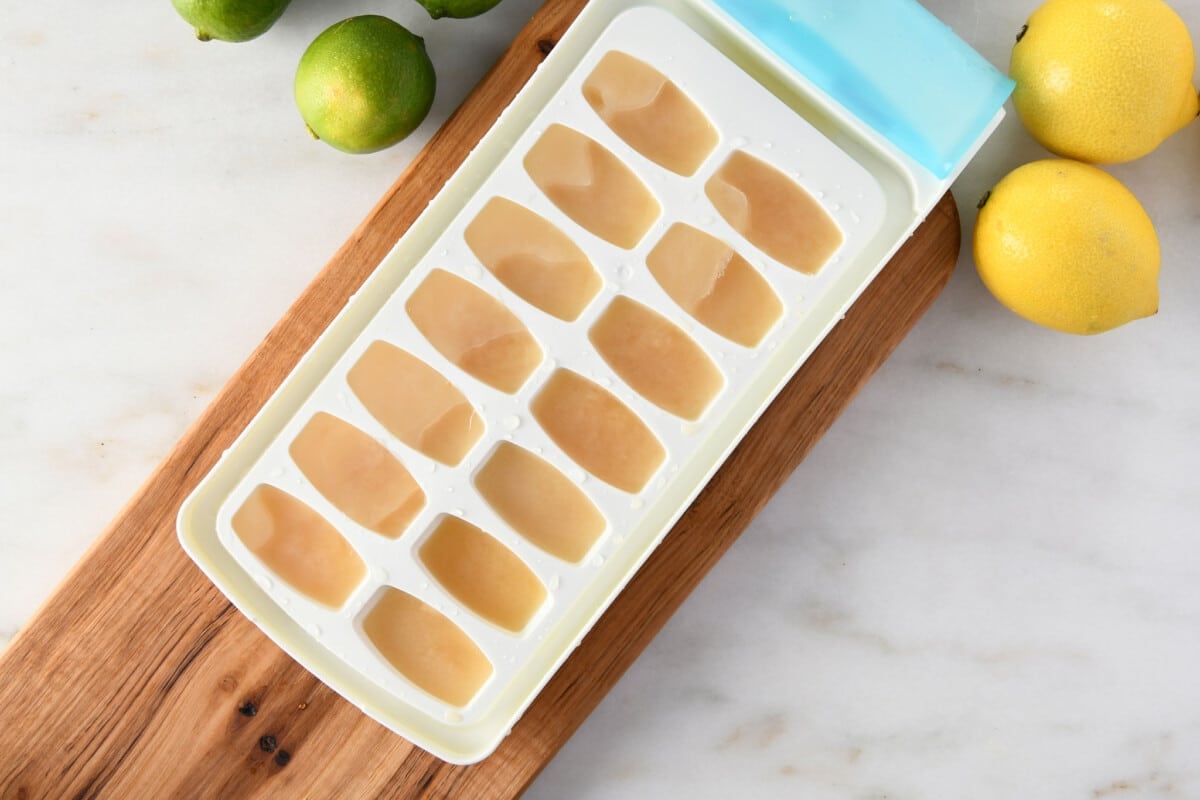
x: 876, y: 198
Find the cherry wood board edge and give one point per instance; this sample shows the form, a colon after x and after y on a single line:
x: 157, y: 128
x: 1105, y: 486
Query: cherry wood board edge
x: 138, y: 679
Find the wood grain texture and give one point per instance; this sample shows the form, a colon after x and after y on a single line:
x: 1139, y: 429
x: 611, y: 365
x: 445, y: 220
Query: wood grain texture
x: 137, y: 679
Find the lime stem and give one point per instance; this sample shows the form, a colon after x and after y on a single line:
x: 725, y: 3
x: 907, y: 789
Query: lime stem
x: 311, y: 132
x: 1024, y: 30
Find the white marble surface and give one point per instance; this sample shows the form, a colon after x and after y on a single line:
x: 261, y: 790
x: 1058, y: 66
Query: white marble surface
x: 983, y: 583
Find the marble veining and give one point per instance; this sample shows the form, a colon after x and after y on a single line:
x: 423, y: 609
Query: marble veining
x: 983, y: 583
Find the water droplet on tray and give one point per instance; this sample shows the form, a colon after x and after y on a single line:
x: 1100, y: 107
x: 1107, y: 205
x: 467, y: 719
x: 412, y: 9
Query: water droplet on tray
x: 314, y: 629
x: 554, y: 583
x: 264, y: 581
x: 474, y: 272
x: 637, y: 503
x: 512, y: 422
x: 453, y: 717
x: 625, y: 272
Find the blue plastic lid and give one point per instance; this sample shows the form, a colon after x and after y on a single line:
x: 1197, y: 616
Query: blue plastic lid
x: 889, y: 62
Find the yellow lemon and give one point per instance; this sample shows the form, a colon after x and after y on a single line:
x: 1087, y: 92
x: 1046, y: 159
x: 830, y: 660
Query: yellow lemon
x: 1104, y: 81
x: 1067, y: 246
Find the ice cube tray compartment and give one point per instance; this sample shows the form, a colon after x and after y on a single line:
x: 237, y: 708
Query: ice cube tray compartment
x: 596, y: 189
x: 482, y: 574
x: 656, y: 358
x: 539, y: 502
x: 650, y: 112
x: 715, y: 284
x: 445, y: 450
x: 415, y: 403
x: 298, y: 545
x: 426, y: 647
x: 357, y: 475
x: 474, y: 331
x: 533, y: 258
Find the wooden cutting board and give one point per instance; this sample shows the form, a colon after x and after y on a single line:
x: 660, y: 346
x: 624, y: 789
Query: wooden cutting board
x: 137, y: 679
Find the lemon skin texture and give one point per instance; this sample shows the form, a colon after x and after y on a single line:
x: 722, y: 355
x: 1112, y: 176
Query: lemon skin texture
x: 458, y: 9
x: 230, y: 20
x: 364, y: 84
x: 1104, y: 81
x: 1067, y: 246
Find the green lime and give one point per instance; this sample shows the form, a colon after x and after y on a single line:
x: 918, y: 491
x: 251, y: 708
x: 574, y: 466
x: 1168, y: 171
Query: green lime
x: 458, y: 9
x: 230, y: 20
x: 364, y: 84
